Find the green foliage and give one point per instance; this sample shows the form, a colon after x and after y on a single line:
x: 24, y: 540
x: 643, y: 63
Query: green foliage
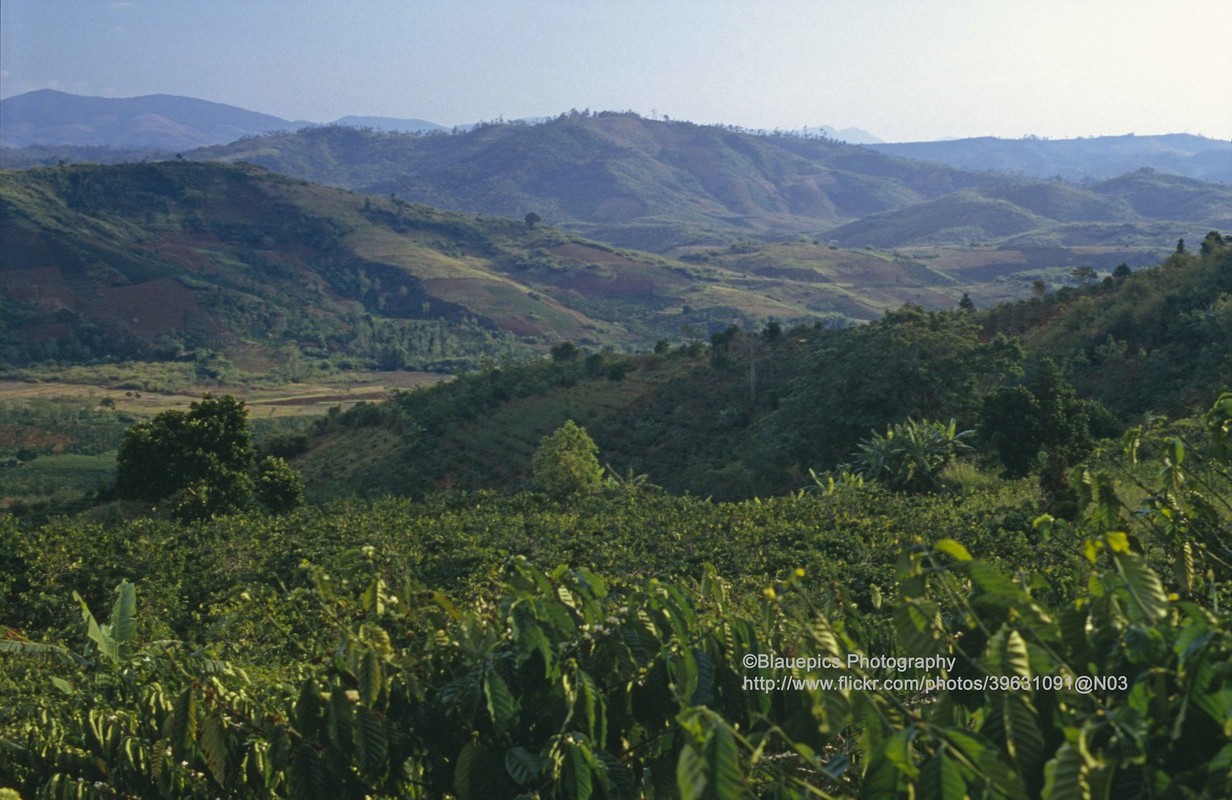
x: 1077, y: 670
x: 911, y: 455
x: 567, y: 462
x: 200, y: 455
x: 912, y: 363
x: 1150, y: 341
x: 202, y: 462
x: 1042, y: 414
x: 279, y: 488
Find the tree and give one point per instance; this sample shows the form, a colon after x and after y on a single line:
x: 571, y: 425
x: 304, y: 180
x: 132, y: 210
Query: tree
x: 1212, y: 243
x: 180, y: 449
x: 201, y: 462
x: 565, y: 351
x: 1044, y: 414
x: 278, y: 487
x: 566, y: 462
x: 532, y: 219
x: 966, y: 303
x: 911, y: 363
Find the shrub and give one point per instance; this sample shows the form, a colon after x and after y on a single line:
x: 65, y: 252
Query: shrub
x: 567, y: 462
x: 911, y: 455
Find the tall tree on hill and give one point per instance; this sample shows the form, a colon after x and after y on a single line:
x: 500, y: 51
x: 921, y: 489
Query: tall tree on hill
x: 567, y: 462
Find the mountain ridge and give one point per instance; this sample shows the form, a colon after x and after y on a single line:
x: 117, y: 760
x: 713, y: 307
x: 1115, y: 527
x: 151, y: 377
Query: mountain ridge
x: 1082, y: 159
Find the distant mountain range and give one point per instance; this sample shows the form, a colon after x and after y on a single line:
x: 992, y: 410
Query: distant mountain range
x: 161, y: 259
x: 678, y: 188
x: 670, y: 186
x: 167, y: 259
x: 1094, y: 158
x: 161, y: 122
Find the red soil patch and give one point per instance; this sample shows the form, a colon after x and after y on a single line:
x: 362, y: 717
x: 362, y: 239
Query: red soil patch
x: 163, y: 305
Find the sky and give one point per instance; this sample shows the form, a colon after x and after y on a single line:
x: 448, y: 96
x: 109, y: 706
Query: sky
x: 904, y: 70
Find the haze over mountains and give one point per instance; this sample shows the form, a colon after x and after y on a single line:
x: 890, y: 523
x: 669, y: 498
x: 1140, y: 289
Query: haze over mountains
x: 158, y: 121
x: 1093, y: 158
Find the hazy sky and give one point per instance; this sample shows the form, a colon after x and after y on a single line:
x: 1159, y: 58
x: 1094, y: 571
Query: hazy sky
x: 902, y: 69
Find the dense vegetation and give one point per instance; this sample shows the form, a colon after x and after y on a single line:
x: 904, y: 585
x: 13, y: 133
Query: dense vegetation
x: 415, y: 649
x: 751, y: 414
x: 586, y: 633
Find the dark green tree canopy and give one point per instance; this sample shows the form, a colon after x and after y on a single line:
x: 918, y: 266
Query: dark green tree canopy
x: 1043, y: 414
x: 178, y: 449
x: 202, y: 462
x: 911, y: 363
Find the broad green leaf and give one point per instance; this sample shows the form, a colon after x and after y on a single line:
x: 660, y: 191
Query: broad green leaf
x: 339, y: 720
x: 1015, y: 657
x: 918, y: 623
x: 1012, y: 724
x: 523, y: 766
x: 369, y: 678
x: 1143, y: 585
x: 182, y: 725
x: 212, y: 737
x: 952, y: 549
x: 941, y: 779
x: 704, y: 694
x: 571, y: 767
x: 308, y: 709
x: 1065, y: 775
x: 897, y: 751
x: 710, y: 770
x: 124, y: 617
x: 502, y: 706
x: 987, y: 762
x: 307, y: 775
x: 370, y: 742
x: 107, y: 645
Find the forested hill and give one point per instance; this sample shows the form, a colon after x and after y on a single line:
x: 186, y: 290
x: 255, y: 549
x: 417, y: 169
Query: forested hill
x: 753, y: 412
x: 157, y: 260
x: 659, y: 185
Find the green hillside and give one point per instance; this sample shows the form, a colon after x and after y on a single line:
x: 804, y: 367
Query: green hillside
x: 168, y: 260
x: 911, y: 624
x: 192, y: 261
x: 753, y: 412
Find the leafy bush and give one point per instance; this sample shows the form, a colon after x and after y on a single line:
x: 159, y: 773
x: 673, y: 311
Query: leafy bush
x: 911, y: 455
x: 279, y: 488
x: 567, y: 462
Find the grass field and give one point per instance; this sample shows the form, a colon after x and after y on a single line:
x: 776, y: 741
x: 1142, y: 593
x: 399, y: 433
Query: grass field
x: 95, y: 385
x: 59, y: 427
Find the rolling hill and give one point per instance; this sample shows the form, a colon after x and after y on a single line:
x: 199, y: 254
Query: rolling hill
x: 733, y: 420
x: 170, y: 259
x: 668, y: 186
x: 616, y: 177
